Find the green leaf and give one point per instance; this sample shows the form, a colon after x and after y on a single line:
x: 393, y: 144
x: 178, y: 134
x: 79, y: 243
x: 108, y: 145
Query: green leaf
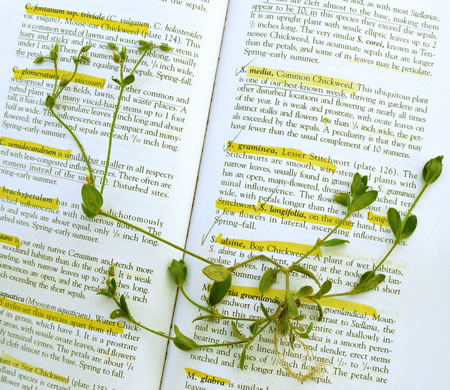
x: 342, y: 198
x: 395, y: 222
x: 178, y: 272
x: 255, y: 326
x: 369, y: 280
x: 283, y: 325
x: 304, y: 292
x: 326, y: 286
x: 334, y: 242
x: 265, y: 311
x: 217, y: 272
x: 306, y: 272
x: 237, y: 332
x: 117, y: 81
x: 432, y: 170
x: 319, y: 308
x: 219, y: 290
x: 124, y: 305
x: 117, y: 313
x: 268, y: 279
x: 410, y: 226
x: 243, y: 356
x: 88, y: 212
x: 183, y: 342
x: 112, y: 286
x: 128, y: 80
x: 359, y: 185
x: 92, y: 199
x: 39, y: 60
x: 291, y: 305
x: 363, y: 201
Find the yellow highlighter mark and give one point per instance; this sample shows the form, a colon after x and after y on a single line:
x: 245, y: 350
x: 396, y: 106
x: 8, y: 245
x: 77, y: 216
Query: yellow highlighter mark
x: 10, y: 240
x: 206, y: 378
x: 29, y: 199
x: 379, y: 220
x: 288, y: 248
x: 315, y: 80
x: 272, y: 294
x: 49, y: 74
x: 35, y: 147
x: 13, y: 362
x: 131, y: 27
x: 279, y: 212
x: 290, y: 153
x: 66, y: 319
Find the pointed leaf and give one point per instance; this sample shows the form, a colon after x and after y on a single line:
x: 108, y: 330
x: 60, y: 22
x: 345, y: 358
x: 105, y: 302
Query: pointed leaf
x: 128, y: 80
x: 326, y: 286
x: 395, y: 222
x: 117, y: 81
x: 291, y: 305
x: 319, y: 308
x: 363, y: 201
x: 243, y: 356
x: 432, y: 170
x: 304, y: 292
x: 306, y: 272
x: 334, y: 242
x: 359, y: 185
x: 124, y: 305
x: 410, y: 226
x: 268, y: 279
x: 265, y: 311
x: 183, y: 342
x: 219, y: 290
x: 237, y: 332
x: 105, y: 292
x: 255, y: 326
x: 368, y: 281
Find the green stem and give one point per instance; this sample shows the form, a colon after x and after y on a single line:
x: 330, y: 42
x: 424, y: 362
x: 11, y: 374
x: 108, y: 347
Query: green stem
x: 222, y: 317
x: 101, y: 212
x: 71, y: 79
x: 223, y: 345
x: 111, y: 132
x: 288, y: 291
x: 193, y: 302
x: 414, y: 205
x: 319, y: 242
x: 56, y: 77
x: 86, y: 159
x: 386, y: 255
x: 257, y: 257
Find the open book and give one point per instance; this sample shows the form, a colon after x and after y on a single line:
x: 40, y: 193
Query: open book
x: 305, y: 94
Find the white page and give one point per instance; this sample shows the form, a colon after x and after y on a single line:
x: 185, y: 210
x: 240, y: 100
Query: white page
x: 406, y: 347
x: 158, y: 149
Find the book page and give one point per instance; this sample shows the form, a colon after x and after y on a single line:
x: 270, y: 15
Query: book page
x: 309, y: 93
x: 55, y: 332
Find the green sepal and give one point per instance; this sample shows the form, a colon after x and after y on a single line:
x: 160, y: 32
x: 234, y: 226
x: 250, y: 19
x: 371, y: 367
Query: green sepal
x: 92, y: 199
x: 219, y: 290
x: 85, y: 48
x: 39, y: 60
x: 395, y: 222
x: 432, y: 170
x: 178, y: 272
x: 334, y: 242
x: 123, y: 53
x: 165, y: 47
x: 306, y: 272
x: 237, y: 332
x: 364, y: 200
x: 325, y: 288
x: 410, y: 226
x: 85, y: 60
x: 183, y: 342
x: 268, y: 279
x: 50, y: 102
x: 113, y: 46
x: 304, y: 292
x: 128, y: 80
x: 105, y: 292
x: 217, y: 272
x: 117, y: 58
x: 112, y: 286
x: 305, y: 334
x: 343, y: 199
x: 124, y: 306
x: 117, y: 314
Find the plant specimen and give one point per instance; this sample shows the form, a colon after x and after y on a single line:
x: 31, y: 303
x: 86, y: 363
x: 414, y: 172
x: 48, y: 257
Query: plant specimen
x: 285, y: 319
